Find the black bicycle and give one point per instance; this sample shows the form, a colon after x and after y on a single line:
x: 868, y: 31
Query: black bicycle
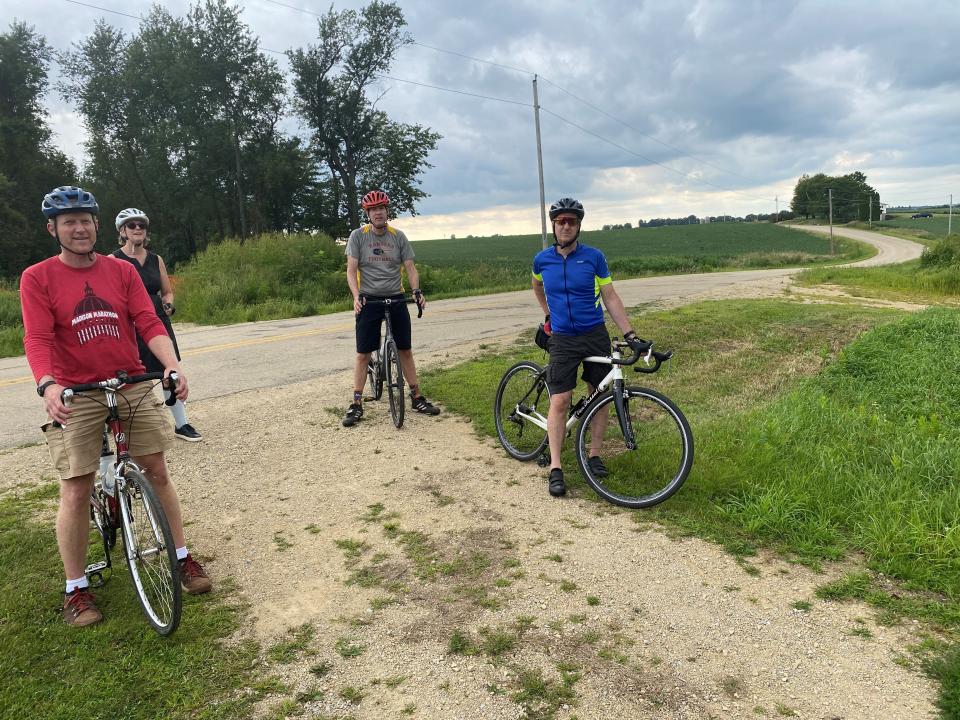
x: 636, y: 459
x: 124, y: 500
x: 384, y: 367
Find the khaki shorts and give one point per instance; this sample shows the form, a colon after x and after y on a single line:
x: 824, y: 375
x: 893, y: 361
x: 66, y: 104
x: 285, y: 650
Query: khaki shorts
x: 75, y: 449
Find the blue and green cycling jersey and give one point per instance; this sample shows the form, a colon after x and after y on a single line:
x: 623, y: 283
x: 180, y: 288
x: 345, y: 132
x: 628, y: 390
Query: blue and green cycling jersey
x: 572, y: 286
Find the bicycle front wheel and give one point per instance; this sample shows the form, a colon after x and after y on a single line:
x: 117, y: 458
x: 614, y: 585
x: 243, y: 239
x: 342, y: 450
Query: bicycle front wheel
x: 150, y: 552
x: 652, y: 471
x: 522, y: 397
x: 395, y: 383
x: 375, y: 374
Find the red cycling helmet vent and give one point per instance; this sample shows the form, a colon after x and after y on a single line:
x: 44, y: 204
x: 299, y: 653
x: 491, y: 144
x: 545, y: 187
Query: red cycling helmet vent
x: 374, y: 198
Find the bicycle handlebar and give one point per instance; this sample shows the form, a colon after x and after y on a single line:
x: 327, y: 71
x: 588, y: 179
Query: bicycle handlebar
x: 645, y: 347
x: 364, y: 299
x: 123, y: 379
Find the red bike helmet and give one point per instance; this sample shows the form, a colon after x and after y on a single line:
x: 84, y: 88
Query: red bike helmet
x: 374, y: 198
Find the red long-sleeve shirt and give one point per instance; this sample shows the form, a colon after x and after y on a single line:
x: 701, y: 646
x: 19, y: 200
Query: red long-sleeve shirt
x: 81, y: 325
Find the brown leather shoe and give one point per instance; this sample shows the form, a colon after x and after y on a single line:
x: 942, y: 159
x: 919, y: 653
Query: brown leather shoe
x: 79, y: 609
x: 193, y: 577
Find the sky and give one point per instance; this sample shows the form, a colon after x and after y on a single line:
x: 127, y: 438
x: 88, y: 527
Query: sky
x: 661, y: 108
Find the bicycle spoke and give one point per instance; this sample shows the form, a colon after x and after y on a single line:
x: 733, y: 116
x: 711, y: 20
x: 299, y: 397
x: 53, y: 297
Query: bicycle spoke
x: 522, y: 396
x: 150, y: 554
x: 651, y: 472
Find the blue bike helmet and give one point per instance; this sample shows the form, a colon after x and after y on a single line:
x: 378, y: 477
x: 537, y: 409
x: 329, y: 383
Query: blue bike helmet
x: 67, y: 199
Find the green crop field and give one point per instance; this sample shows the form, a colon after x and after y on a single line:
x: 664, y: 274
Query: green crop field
x: 936, y: 225
x: 706, y: 245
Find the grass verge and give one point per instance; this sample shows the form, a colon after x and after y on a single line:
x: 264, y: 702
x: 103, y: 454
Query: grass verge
x: 860, y: 457
x: 121, y: 667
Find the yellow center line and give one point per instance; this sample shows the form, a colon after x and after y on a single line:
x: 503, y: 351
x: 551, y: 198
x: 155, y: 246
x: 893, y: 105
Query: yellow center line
x: 264, y: 340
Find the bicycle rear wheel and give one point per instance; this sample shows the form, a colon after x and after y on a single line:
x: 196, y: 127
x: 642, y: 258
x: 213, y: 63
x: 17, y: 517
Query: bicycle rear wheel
x: 395, y: 384
x: 522, y: 392
x: 100, y: 515
x: 655, y: 469
x: 150, y: 552
x: 375, y: 374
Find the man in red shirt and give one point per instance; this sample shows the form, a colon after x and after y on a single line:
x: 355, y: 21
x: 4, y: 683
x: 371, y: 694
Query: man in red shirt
x: 81, y: 314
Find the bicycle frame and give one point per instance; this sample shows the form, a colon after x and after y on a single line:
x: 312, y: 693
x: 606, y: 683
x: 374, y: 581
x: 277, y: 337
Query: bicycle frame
x: 614, y: 377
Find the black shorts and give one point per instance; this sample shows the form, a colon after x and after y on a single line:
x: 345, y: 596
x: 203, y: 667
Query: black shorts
x: 568, y: 351
x: 371, y: 318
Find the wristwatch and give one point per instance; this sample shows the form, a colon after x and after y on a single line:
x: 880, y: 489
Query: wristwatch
x: 42, y: 387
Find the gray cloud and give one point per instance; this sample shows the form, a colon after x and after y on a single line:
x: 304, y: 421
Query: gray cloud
x: 764, y: 90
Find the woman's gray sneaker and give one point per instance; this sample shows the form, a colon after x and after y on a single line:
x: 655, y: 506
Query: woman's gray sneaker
x: 354, y: 413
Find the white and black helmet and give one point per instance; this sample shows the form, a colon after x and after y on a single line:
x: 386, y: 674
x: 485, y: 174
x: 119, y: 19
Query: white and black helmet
x: 125, y: 216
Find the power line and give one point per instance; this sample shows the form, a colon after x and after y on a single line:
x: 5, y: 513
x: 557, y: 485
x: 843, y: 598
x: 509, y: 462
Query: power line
x: 97, y: 7
x: 470, y: 57
x: 458, y: 92
x: 644, y: 157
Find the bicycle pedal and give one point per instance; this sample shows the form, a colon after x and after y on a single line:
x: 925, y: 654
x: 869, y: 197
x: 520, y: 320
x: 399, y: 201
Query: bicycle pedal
x: 543, y: 460
x: 95, y: 567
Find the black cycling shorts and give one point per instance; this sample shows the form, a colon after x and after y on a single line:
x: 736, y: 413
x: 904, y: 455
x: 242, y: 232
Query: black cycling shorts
x: 371, y: 318
x: 568, y: 351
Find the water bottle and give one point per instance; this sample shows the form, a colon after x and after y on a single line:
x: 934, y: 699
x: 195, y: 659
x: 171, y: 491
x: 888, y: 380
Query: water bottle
x: 105, y: 473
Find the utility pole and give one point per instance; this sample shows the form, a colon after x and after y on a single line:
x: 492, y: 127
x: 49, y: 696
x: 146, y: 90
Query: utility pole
x: 543, y: 201
x: 870, y: 212
x: 950, y: 216
x: 776, y: 217
x: 830, y: 199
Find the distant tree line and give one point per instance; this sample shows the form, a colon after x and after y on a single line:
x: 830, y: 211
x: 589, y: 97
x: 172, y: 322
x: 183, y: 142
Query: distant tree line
x: 853, y: 198
x: 185, y: 120
x: 694, y: 220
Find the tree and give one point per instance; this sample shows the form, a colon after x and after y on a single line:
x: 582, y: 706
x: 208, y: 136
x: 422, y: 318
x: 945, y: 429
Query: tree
x: 183, y: 122
x: 851, y: 197
x: 357, y: 147
x: 29, y: 164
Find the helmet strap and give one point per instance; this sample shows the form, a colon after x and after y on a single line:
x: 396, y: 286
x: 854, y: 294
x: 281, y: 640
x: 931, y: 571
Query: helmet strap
x: 88, y: 255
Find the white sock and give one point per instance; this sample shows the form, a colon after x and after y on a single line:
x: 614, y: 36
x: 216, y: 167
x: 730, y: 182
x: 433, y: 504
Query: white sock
x: 80, y: 582
x: 181, y: 552
x: 178, y: 409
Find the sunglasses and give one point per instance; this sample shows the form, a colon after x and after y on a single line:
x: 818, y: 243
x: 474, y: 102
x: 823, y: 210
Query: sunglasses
x: 136, y: 225
x: 567, y: 222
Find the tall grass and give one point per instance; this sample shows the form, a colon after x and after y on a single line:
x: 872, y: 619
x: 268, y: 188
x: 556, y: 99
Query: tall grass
x: 11, y: 322
x: 267, y: 277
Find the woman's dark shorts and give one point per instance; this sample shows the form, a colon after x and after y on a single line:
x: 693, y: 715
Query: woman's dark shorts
x: 568, y: 351
x: 371, y: 318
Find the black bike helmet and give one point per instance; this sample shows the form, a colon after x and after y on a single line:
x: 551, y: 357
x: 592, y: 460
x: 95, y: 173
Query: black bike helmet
x: 67, y: 199
x: 566, y: 205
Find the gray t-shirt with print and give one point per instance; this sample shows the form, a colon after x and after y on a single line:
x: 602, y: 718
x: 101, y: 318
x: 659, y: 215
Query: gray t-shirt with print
x: 379, y: 258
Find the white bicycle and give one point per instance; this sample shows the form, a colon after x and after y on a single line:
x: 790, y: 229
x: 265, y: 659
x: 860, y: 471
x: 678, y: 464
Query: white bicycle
x: 637, y: 459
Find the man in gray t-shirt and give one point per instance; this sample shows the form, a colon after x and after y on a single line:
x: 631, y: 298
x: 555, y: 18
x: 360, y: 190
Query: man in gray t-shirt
x: 375, y: 254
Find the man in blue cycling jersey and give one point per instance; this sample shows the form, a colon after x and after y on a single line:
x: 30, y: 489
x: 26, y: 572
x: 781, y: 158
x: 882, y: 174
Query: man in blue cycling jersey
x: 569, y: 280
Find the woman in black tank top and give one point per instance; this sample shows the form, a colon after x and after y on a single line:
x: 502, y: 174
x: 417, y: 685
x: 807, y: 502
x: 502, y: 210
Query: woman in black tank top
x: 132, y: 225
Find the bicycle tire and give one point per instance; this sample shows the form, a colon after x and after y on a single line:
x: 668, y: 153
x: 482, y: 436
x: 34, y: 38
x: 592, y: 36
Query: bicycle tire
x: 395, y: 384
x: 375, y: 374
x: 100, y: 516
x: 150, y: 552
x: 661, y: 462
x: 524, y: 382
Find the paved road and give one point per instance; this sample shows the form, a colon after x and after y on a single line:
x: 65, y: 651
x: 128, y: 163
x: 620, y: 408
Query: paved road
x: 222, y: 360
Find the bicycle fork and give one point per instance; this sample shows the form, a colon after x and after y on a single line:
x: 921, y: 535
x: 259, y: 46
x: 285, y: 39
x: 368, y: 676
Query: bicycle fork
x: 621, y: 403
